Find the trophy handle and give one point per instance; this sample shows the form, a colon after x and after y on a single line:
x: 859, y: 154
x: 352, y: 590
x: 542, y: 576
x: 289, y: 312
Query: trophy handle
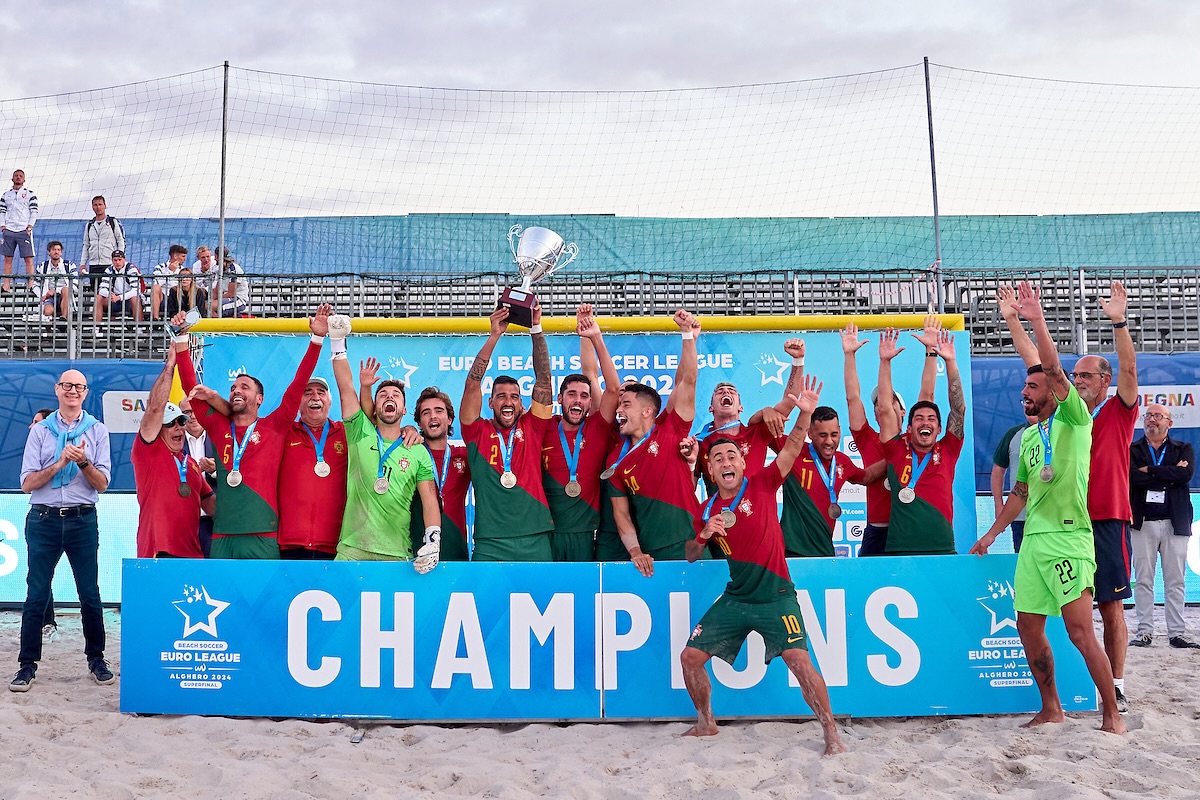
x: 568, y: 255
x: 514, y: 233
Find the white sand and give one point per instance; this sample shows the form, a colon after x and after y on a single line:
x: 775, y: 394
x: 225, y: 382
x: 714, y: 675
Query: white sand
x: 66, y: 738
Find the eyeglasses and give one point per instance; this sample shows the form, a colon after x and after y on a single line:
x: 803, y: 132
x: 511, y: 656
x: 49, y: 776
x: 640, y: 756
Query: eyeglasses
x: 1154, y: 415
x: 1087, y: 376
x: 180, y: 421
x: 67, y: 386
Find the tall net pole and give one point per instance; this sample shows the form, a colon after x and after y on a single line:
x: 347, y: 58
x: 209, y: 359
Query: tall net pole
x: 937, y: 222
x: 221, y: 223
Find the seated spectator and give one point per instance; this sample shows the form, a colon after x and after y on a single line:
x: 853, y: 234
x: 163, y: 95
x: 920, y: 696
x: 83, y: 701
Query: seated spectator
x: 205, y: 268
x: 187, y: 295
x: 54, y: 290
x: 232, y: 297
x: 166, y: 278
x: 120, y: 291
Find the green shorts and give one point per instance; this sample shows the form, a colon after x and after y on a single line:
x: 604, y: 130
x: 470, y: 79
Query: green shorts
x: 672, y: 552
x: 609, y: 547
x: 1053, y: 569
x: 726, y: 625
x: 534, y: 547
x: 244, y: 545
x: 567, y: 546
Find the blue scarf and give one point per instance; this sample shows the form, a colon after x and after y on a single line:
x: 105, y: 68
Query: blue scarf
x: 67, y: 473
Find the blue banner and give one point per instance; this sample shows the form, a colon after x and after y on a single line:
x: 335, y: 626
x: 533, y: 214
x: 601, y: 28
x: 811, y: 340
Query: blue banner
x: 905, y: 636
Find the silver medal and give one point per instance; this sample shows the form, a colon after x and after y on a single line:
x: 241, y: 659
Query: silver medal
x: 322, y: 469
x: 234, y: 478
x: 887, y: 485
x: 1047, y: 473
x: 573, y: 489
x: 907, y: 495
x: 729, y: 518
x: 508, y: 480
x: 834, y: 511
x: 381, y: 486
x: 608, y: 473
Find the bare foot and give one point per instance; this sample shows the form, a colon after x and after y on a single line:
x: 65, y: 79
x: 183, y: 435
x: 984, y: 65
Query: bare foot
x: 701, y: 729
x: 1116, y: 725
x: 1045, y: 716
x: 832, y: 748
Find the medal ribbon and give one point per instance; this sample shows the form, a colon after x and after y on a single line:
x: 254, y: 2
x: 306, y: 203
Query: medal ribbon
x: 1045, y: 434
x: 321, y: 444
x: 1097, y: 411
x: 572, y: 458
x: 827, y: 477
x: 506, y: 446
x: 182, y: 462
x: 626, y: 449
x: 383, y: 454
x: 440, y: 476
x: 708, y: 507
x: 708, y: 428
x: 239, y: 448
x: 1158, y: 457
x: 918, y: 467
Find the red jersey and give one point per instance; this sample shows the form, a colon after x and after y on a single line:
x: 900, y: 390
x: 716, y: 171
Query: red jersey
x: 452, y: 489
x: 936, y: 483
x: 754, y: 440
x: 753, y: 545
x: 659, y: 484
x: 582, y: 513
x: 167, y: 523
x: 311, y: 507
x: 879, y: 499
x: 1108, y: 482
x: 501, y: 512
x: 808, y: 477
x: 251, y: 507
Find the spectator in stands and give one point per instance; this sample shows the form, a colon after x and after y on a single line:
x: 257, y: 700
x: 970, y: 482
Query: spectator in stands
x: 55, y: 290
x: 200, y: 447
x: 65, y: 466
x: 18, y: 213
x: 205, y: 268
x: 231, y: 296
x: 187, y: 295
x: 1004, y: 462
x: 166, y: 278
x: 1160, y: 469
x: 120, y: 290
x: 101, y: 236
x: 49, y: 623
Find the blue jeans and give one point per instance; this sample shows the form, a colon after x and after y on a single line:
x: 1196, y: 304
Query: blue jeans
x: 47, y: 537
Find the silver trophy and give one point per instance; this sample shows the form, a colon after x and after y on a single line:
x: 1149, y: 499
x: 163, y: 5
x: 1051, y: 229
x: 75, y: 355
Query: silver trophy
x: 538, y: 252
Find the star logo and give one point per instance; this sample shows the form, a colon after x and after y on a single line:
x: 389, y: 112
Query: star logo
x: 409, y: 369
x: 200, y: 610
x: 999, y: 604
x: 771, y: 369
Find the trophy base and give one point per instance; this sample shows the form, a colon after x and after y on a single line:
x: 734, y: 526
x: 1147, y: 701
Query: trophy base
x: 520, y: 306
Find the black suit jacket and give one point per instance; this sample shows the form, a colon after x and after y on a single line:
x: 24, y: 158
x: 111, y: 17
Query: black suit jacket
x: 1167, y: 478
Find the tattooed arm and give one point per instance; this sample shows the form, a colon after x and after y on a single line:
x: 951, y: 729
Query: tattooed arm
x: 472, y: 400
x: 958, y: 403
x: 543, y: 384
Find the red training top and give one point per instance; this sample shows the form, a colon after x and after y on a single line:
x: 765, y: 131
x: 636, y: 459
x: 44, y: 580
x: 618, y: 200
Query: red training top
x: 1108, y: 483
x: 311, y: 507
x: 167, y: 523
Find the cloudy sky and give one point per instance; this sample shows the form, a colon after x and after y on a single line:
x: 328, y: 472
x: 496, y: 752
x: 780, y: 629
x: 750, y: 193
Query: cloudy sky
x: 619, y: 44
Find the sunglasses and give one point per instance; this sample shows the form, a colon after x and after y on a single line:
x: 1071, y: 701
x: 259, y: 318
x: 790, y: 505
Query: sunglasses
x: 180, y: 421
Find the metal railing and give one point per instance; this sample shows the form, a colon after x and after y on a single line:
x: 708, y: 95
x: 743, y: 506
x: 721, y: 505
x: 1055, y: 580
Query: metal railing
x: 1164, y: 305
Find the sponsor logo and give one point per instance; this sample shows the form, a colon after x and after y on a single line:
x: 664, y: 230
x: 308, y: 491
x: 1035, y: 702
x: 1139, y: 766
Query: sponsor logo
x: 771, y: 369
x: 200, y: 659
x: 1000, y: 659
x: 123, y: 411
x: 696, y: 631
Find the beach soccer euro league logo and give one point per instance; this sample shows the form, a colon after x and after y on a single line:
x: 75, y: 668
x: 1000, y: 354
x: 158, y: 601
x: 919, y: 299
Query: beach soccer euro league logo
x: 998, y: 602
x: 200, y: 611
x: 200, y: 660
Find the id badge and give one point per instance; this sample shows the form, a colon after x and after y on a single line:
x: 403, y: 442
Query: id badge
x: 1155, y: 498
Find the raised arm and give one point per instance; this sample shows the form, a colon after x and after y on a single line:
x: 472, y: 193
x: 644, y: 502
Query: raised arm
x: 339, y: 328
x: 591, y: 339
x: 368, y: 376
x: 589, y: 364
x: 1029, y: 306
x: 1114, y: 308
x: 472, y: 400
x: 1006, y: 299
x: 885, y: 412
x: 851, y: 344
x: 806, y: 401
x: 795, y: 382
x: 152, y: 419
x: 683, y: 396
x: 543, y: 383
x: 318, y: 324
x: 929, y: 372
x: 956, y: 420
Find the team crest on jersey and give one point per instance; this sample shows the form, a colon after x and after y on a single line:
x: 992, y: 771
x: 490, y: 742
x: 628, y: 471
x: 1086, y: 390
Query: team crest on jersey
x: 255, y: 438
x: 460, y: 465
x: 937, y: 455
x: 745, y: 507
x: 519, y: 435
x: 404, y: 465
x: 653, y: 448
x: 840, y: 471
x: 745, y: 448
x: 696, y: 631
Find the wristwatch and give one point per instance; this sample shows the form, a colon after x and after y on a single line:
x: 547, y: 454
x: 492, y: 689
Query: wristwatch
x: 85, y: 464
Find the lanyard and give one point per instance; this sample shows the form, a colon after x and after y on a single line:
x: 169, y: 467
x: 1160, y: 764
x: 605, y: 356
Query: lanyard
x: 182, y: 462
x: 383, y: 454
x: 440, y: 475
x: 1045, y: 434
x: 320, y: 445
x: 1158, y: 457
x: 708, y: 429
x: 506, y: 447
x: 827, y: 477
x: 1097, y: 411
x: 626, y: 449
x: 918, y: 467
x: 708, y: 507
x: 239, y: 448
x: 571, y: 457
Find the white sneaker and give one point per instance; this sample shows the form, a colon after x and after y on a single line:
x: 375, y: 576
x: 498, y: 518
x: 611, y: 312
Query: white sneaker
x: 39, y: 317
x: 49, y: 632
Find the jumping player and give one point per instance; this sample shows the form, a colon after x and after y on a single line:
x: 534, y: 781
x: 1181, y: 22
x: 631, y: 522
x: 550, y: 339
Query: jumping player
x: 1056, y: 567
x: 740, y: 520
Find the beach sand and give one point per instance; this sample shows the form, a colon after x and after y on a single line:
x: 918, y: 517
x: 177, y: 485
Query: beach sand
x: 66, y: 738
